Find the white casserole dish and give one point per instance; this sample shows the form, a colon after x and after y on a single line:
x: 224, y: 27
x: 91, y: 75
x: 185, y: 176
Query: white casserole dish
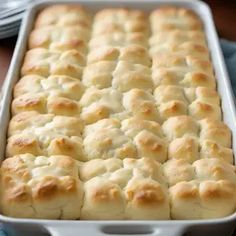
x: 23, y: 227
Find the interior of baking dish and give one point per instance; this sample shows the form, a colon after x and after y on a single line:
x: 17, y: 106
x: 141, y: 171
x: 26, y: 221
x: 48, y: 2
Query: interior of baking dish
x: 116, y: 116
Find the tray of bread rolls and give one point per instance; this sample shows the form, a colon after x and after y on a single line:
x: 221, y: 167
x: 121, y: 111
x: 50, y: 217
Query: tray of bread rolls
x: 118, y: 118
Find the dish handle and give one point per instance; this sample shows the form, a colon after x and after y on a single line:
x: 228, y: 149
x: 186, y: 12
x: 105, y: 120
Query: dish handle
x: 93, y: 229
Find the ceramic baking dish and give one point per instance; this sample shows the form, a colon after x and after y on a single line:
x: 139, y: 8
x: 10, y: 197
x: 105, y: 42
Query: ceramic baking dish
x: 216, y: 227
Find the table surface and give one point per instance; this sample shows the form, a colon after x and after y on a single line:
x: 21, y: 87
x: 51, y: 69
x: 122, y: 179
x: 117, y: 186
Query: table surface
x: 224, y: 13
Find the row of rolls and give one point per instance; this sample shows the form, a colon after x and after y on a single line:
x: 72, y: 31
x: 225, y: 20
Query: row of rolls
x: 116, y: 116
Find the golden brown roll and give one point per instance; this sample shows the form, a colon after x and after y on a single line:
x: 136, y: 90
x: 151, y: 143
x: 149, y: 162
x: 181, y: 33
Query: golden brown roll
x: 134, y: 54
x: 180, y: 126
x: 215, y: 131
x: 177, y: 36
x: 134, y: 189
x: 63, y: 15
x: 147, y: 200
x: 113, y: 20
x: 212, y: 149
x: 109, y: 123
x: 132, y: 126
x: 202, y: 200
x: 203, y: 94
x: 118, y: 39
x: 99, y: 74
x: 184, y: 49
x: 41, y: 61
x: 166, y: 93
x: 214, y: 169
x: 42, y: 103
x: 150, y: 145
x: 60, y: 38
x: 45, y: 134
x: 185, y: 148
x: 200, y: 110
x: 121, y: 73
x: 99, y: 104
x: 41, y: 187
x: 141, y: 104
x: 109, y: 144
x: 108, y: 139
x: 169, y: 18
x: 128, y: 76
x: 186, y: 71
x: 55, y: 85
x: 27, y: 120
x: 176, y: 171
x: 185, y: 63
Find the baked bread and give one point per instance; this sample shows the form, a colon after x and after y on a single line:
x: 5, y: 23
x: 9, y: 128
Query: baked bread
x: 209, y: 199
x: 134, y: 54
x: 180, y: 126
x: 215, y: 131
x: 190, y: 140
x: 99, y: 104
x: 122, y: 75
x: 41, y: 187
x: 132, y: 126
x: 117, y: 117
x: 43, y: 103
x: 171, y: 18
x: 213, y: 149
x: 45, y: 134
x: 141, y: 104
x: 63, y: 15
x: 108, y: 138
x: 41, y: 61
x: 55, y: 85
x: 185, y: 71
x: 59, y: 39
x: 107, y: 143
x: 135, y: 189
x: 185, y: 148
x: 118, y: 39
x: 176, y: 171
x: 187, y: 63
x: 177, y: 36
x: 120, y: 20
x: 184, y: 49
x: 128, y: 75
x: 99, y: 74
x: 70, y: 126
x: 200, y: 102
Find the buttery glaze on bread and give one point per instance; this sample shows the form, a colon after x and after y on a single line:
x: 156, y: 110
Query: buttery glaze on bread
x: 59, y: 39
x: 120, y: 20
x: 41, y: 187
x: 45, y: 134
x: 116, y: 117
x: 63, y: 15
x: 41, y: 61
